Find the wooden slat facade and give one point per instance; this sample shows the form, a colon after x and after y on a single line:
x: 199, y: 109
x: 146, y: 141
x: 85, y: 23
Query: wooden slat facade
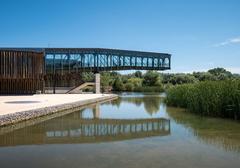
x: 21, y: 72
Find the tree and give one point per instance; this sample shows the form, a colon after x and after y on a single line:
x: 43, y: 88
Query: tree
x: 137, y: 82
x: 118, y: 84
x: 138, y: 74
x: 105, y: 80
x: 129, y: 87
x: 152, y: 78
x: 87, y: 76
x: 220, y: 73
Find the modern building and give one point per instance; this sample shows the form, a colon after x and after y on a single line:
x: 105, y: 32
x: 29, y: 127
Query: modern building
x: 27, y: 70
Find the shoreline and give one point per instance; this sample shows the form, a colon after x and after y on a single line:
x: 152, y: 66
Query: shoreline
x: 16, y: 117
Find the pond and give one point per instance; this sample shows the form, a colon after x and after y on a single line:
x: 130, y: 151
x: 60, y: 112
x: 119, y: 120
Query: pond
x: 135, y: 130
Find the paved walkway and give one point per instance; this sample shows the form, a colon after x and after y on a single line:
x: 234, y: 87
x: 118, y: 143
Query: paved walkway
x: 13, y: 104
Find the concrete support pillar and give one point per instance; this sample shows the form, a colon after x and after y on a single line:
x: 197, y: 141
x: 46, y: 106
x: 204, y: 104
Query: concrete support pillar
x: 96, y: 111
x: 97, y: 83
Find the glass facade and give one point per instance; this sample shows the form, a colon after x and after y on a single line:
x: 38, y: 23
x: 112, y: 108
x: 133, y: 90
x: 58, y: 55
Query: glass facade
x: 71, y: 63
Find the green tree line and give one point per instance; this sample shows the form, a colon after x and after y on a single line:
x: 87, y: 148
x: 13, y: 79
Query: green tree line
x: 153, y: 81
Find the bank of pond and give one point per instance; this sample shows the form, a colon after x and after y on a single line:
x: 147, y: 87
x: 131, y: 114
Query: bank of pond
x: 210, y: 98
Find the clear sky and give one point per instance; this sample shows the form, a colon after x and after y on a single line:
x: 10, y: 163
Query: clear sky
x: 200, y: 34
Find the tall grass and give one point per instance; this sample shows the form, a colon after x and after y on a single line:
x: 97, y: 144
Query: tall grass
x: 211, y: 98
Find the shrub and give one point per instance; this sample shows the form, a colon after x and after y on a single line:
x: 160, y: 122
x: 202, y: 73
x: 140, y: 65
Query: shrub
x: 129, y: 87
x: 137, y: 82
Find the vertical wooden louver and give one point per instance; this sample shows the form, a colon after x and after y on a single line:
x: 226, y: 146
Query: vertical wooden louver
x: 21, y: 72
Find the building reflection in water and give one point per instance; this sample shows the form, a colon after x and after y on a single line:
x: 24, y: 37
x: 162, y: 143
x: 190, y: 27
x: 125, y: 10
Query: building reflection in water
x: 74, y: 128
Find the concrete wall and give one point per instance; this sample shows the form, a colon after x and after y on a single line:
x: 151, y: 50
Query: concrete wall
x: 97, y: 83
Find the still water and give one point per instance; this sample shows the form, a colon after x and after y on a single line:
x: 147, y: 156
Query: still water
x: 136, y: 130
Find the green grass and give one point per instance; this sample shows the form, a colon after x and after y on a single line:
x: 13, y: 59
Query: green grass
x: 211, y: 98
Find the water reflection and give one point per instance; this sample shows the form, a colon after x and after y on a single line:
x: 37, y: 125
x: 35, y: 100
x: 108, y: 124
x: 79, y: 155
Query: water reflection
x: 214, y: 131
x: 150, y: 140
x: 151, y: 103
x: 77, y: 128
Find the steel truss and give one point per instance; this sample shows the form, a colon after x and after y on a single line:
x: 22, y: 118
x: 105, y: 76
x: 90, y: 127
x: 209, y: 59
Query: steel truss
x: 68, y: 60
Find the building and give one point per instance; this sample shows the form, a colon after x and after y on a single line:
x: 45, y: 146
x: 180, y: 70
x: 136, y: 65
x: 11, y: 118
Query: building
x: 27, y: 70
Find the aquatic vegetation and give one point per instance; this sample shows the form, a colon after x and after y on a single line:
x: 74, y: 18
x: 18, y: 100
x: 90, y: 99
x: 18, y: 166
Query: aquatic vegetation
x: 210, y: 98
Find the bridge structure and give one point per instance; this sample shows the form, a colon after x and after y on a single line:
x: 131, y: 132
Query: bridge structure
x: 62, y: 60
x: 37, y: 68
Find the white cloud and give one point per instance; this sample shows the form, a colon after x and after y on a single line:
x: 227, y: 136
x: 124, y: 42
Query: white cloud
x: 234, y: 69
x: 235, y: 40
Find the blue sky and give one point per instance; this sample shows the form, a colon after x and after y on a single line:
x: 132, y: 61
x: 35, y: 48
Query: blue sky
x: 199, y: 34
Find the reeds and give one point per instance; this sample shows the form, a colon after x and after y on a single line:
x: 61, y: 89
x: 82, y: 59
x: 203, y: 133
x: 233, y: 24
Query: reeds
x: 211, y: 98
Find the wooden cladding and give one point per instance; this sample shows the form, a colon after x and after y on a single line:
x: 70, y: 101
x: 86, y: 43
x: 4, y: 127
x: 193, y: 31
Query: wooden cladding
x: 21, y: 64
x: 21, y: 72
x: 20, y: 86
